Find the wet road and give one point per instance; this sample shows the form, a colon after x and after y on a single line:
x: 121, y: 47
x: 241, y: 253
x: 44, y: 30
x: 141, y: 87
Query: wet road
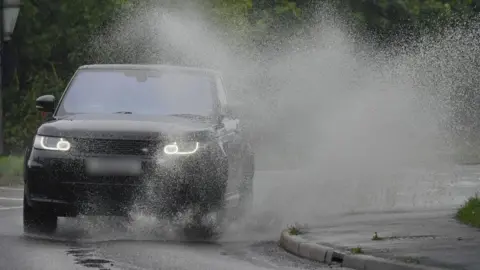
x: 103, y: 243
x: 281, y: 198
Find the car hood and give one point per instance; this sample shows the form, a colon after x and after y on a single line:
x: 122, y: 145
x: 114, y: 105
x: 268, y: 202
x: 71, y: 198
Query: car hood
x: 120, y: 126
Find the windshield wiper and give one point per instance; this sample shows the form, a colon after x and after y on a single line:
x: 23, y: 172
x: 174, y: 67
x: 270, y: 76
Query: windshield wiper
x: 122, y: 112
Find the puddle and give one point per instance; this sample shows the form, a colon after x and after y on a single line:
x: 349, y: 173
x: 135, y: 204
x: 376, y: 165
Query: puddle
x: 87, y: 257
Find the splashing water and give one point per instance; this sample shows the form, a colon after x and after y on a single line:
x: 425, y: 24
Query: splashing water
x: 356, y: 126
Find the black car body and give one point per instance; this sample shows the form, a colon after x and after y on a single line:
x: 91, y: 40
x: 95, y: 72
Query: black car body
x: 153, y: 136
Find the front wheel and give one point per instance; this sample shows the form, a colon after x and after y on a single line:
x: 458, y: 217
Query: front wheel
x: 246, y: 191
x: 38, y: 221
x: 246, y: 198
x: 205, y: 226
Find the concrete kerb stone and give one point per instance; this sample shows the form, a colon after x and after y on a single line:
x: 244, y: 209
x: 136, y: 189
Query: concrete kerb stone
x: 290, y: 243
x: 313, y: 251
x: 302, y: 248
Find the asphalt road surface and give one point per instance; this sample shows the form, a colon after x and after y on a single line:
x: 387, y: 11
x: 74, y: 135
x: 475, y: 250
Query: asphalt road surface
x: 281, y: 198
x: 104, y: 243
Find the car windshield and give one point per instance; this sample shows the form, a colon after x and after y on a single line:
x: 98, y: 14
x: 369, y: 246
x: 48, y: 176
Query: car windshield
x: 139, y: 92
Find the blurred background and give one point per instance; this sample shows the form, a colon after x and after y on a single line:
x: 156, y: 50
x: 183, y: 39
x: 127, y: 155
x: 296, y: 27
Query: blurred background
x: 279, y: 57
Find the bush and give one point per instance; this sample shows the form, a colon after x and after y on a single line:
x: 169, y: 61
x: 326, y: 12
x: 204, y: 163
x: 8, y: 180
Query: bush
x: 469, y: 213
x: 11, y: 169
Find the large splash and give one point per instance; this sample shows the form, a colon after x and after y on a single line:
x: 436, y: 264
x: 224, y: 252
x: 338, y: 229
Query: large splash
x: 348, y: 121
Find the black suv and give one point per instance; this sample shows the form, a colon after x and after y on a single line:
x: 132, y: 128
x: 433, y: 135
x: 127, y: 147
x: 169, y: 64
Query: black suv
x: 158, y: 137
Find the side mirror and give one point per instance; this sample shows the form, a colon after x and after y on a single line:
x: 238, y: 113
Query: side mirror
x: 46, y: 103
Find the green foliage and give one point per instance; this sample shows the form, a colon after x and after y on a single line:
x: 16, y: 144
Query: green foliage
x: 376, y: 237
x: 255, y: 19
x: 293, y: 230
x: 297, y: 229
x: 49, y: 40
x: 469, y: 213
x: 51, y: 37
x: 391, y: 19
x: 11, y: 170
x: 23, y: 110
x: 54, y: 32
x: 357, y: 250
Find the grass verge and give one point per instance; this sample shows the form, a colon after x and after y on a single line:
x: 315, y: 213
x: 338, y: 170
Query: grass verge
x: 11, y: 169
x: 469, y: 213
x: 357, y: 250
x: 376, y: 237
x: 297, y: 229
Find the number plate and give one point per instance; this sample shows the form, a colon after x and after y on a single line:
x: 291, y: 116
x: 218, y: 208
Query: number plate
x: 107, y: 166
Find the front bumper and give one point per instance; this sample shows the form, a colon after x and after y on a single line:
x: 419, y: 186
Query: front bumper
x: 59, y: 181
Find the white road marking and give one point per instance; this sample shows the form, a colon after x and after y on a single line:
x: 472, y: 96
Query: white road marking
x: 10, y: 208
x: 465, y: 184
x: 233, y: 197
x: 11, y: 199
x: 10, y: 188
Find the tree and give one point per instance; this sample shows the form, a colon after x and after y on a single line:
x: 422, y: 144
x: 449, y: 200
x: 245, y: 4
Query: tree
x: 49, y: 44
x: 52, y: 36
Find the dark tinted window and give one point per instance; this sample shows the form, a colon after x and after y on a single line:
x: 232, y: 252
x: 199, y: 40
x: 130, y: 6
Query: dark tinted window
x: 102, y: 91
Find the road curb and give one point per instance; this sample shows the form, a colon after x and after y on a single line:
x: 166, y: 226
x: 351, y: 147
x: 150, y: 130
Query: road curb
x: 303, y: 248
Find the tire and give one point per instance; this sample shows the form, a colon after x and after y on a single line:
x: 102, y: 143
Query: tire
x: 197, y: 229
x: 246, y: 193
x: 246, y: 190
x: 246, y: 197
x: 36, y: 221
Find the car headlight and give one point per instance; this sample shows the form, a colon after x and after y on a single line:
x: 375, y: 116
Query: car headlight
x: 181, y: 148
x: 51, y: 143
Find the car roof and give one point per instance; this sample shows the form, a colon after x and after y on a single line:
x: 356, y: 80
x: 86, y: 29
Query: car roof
x: 151, y: 67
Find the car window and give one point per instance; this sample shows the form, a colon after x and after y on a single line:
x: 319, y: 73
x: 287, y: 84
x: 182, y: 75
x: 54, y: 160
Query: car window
x: 94, y: 91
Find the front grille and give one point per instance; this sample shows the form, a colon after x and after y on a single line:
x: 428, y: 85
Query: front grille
x: 115, y: 147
